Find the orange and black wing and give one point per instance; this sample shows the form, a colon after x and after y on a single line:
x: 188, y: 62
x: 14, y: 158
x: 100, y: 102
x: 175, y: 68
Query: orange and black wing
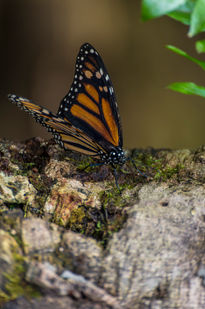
x: 64, y: 133
x: 90, y: 105
x: 87, y: 120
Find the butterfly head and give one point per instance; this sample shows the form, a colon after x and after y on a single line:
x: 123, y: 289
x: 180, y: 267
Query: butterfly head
x: 115, y: 157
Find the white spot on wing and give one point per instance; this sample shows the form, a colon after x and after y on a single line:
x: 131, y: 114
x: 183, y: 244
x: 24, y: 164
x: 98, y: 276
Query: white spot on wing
x: 111, y: 90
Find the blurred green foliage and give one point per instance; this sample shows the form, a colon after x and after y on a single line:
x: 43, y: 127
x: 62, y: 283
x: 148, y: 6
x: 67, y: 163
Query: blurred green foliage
x: 190, y: 13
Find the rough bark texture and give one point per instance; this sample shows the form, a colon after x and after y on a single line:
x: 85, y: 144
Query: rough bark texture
x: 70, y: 239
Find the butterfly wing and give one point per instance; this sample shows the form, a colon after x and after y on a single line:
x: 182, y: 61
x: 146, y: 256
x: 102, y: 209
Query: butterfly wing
x: 90, y: 105
x: 63, y: 131
x: 87, y: 120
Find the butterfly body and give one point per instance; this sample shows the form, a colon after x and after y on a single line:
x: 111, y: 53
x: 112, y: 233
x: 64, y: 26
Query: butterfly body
x: 87, y: 120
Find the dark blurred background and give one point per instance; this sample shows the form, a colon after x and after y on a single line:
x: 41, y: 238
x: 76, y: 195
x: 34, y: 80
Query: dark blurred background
x: 39, y: 44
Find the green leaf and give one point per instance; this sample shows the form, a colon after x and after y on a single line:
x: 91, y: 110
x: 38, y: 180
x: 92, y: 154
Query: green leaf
x: 155, y: 8
x: 183, y: 17
x: 184, y: 54
x: 197, y: 18
x: 187, y: 7
x: 188, y: 88
x: 200, y: 46
x: 183, y: 12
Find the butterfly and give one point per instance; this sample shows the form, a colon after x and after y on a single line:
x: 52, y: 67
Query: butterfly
x: 87, y: 120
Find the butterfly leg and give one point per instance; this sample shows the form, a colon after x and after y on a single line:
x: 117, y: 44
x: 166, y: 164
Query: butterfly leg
x: 141, y: 173
x: 114, y: 172
x: 92, y: 165
x: 116, y: 178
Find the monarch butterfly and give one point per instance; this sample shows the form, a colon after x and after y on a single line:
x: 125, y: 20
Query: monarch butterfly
x: 87, y: 120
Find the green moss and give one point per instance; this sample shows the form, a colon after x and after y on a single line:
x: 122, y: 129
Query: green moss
x: 24, y: 168
x: 105, y: 229
x: 157, y: 168
x: 146, y: 160
x: 16, y: 285
x: 168, y: 172
x: 42, y: 187
x: 111, y: 197
x: 112, y: 216
x: 76, y: 220
x: 58, y: 221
